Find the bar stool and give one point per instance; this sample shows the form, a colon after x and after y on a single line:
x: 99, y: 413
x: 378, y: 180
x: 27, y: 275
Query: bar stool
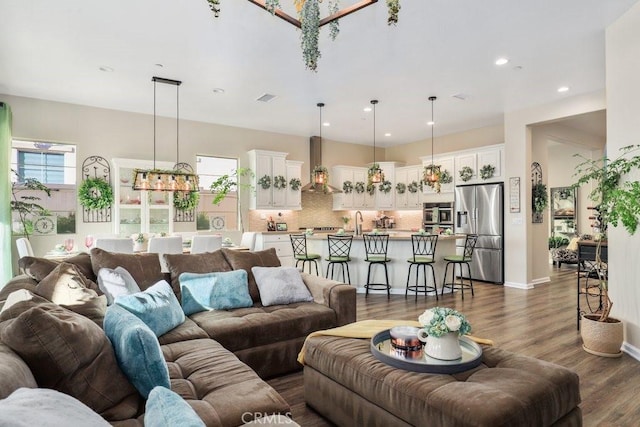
x: 375, y: 246
x: 339, y: 249
x: 299, y: 244
x: 424, y: 254
x: 460, y: 260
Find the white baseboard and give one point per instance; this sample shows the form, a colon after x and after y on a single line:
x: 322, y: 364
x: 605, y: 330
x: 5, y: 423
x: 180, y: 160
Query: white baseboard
x: 518, y: 285
x: 631, y: 350
x: 541, y: 280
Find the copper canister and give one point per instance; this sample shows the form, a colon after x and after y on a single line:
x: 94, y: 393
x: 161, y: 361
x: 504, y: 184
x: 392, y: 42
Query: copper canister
x: 405, y: 343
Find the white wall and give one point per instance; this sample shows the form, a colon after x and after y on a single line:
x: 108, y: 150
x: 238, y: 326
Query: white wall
x: 623, y: 128
x: 518, y: 150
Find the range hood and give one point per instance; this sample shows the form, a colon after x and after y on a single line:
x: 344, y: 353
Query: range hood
x: 315, y: 159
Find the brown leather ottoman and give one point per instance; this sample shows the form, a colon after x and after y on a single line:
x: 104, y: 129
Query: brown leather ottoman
x: 347, y: 385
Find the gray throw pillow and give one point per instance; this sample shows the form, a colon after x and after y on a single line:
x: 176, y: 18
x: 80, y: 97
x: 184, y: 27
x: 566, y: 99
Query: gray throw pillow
x: 116, y: 281
x: 44, y: 407
x: 280, y: 285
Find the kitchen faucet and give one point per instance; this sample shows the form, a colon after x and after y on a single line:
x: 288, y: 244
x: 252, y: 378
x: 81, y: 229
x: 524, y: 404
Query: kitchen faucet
x: 359, y: 228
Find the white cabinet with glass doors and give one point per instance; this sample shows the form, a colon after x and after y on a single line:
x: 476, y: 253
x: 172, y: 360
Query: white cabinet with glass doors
x: 136, y: 211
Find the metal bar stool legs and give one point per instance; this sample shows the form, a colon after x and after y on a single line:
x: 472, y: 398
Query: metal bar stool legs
x: 378, y: 286
x: 453, y: 285
x: 424, y: 287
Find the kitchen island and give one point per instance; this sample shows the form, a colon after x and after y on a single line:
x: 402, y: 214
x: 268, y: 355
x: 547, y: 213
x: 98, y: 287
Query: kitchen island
x: 400, y: 249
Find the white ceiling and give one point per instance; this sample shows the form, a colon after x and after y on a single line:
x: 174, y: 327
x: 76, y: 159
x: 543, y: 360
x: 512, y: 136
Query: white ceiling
x: 53, y: 50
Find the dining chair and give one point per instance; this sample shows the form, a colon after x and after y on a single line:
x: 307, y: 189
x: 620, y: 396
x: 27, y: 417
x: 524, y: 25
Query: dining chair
x: 249, y: 240
x: 460, y: 260
x: 339, y: 253
x: 165, y: 245
x: 200, y: 244
x: 376, y: 246
x: 122, y: 245
x: 424, y: 255
x: 300, y: 254
x: 24, y: 247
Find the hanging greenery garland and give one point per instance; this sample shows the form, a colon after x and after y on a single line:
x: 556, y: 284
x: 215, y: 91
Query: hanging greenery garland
x: 185, y: 201
x: 95, y: 193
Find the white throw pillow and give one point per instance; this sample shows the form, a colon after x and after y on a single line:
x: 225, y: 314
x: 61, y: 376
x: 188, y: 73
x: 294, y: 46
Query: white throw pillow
x: 115, y: 282
x: 280, y: 285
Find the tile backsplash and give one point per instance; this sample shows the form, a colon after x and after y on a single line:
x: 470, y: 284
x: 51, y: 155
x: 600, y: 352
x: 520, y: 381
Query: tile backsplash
x: 317, y: 211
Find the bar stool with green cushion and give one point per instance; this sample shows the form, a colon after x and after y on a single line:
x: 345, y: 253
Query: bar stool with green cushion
x: 299, y: 244
x: 339, y: 250
x: 424, y: 253
x: 375, y: 246
x: 460, y: 260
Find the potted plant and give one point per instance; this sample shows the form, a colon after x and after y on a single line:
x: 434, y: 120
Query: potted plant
x: 618, y: 201
x: 26, y: 205
x: 230, y: 182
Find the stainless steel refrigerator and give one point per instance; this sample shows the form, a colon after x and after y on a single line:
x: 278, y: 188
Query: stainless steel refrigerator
x: 480, y: 210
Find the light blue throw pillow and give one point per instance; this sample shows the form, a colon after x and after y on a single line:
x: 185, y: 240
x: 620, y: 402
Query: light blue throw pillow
x: 157, y: 307
x: 167, y: 409
x: 137, y: 350
x: 214, y: 291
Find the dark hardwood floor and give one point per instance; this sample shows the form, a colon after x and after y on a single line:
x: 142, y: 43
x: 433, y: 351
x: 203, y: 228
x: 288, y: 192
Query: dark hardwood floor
x: 540, y: 323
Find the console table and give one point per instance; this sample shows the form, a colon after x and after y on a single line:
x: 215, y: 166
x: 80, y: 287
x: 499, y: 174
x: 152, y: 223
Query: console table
x: 588, y: 282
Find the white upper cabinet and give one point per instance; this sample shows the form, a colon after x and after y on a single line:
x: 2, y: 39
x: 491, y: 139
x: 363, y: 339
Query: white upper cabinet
x: 486, y: 164
x: 271, y: 180
x: 447, y: 170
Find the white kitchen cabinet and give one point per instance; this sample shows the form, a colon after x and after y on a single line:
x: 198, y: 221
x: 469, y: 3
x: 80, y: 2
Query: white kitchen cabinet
x: 273, y: 164
x: 478, y: 158
x: 491, y: 157
x: 280, y: 242
x: 340, y: 175
x: 386, y: 201
x: 294, y: 197
x: 446, y: 163
x: 465, y: 160
x: 136, y: 211
x: 401, y: 198
x: 414, y: 175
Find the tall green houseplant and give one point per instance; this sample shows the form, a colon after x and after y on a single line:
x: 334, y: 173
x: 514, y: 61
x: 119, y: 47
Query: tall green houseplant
x: 618, y: 201
x: 25, y: 203
x: 232, y: 182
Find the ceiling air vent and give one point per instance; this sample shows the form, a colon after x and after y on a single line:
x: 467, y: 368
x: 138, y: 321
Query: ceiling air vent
x: 266, y: 97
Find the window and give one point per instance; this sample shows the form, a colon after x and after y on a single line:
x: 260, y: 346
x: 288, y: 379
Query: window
x: 54, y: 165
x: 209, y: 216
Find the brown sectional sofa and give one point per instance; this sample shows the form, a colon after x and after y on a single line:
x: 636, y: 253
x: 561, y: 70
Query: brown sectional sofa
x: 217, y: 360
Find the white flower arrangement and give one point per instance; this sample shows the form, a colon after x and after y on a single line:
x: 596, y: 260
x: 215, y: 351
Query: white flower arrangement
x: 279, y: 182
x: 385, y: 186
x: 466, y: 173
x: 359, y: 187
x: 487, y: 171
x: 139, y: 237
x: 438, y: 321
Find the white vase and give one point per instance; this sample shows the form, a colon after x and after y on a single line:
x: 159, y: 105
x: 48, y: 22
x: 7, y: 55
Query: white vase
x: 139, y: 246
x: 446, y: 347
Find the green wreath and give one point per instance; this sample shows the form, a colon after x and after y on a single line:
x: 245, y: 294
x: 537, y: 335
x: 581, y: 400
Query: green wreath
x: 359, y: 187
x: 413, y: 187
x: 487, y: 171
x: 265, y: 182
x: 385, y: 186
x: 347, y: 187
x: 186, y: 201
x: 279, y: 182
x: 445, y: 177
x: 401, y: 187
x: 295, y: 184
x: 466, y: 173
x: 95, y: 193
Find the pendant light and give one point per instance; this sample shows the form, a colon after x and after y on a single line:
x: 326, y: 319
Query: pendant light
x: 375, y: 174
x: 319, y: 174
x: 432, y: 171
x: 181, y: 178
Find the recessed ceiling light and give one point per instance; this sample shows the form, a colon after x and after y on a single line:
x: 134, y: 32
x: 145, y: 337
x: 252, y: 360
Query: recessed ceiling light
x: 106, y: 69
x: 430, y: 123
x: 501, y: 61
x: 218, y: 90
x: 387, y: 134
x: 367, y: 109
x: 563, y: 89
x: 326, y: 124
